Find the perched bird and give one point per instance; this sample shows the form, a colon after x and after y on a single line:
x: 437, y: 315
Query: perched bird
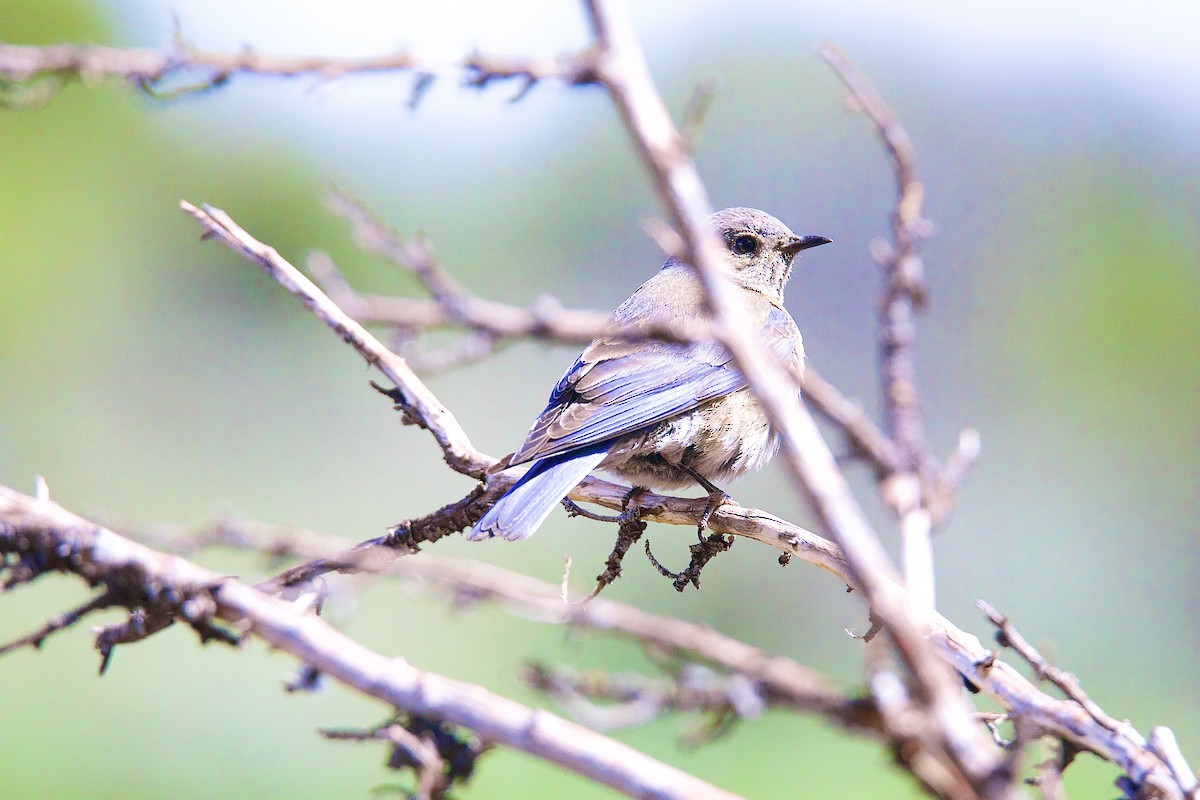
x: 662, y: 414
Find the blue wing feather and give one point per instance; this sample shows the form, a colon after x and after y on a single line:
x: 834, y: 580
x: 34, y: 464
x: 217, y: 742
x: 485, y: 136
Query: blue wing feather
x: 615, y: 388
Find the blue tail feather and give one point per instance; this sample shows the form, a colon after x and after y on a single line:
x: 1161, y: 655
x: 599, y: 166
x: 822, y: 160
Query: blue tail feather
x: 526, y: 505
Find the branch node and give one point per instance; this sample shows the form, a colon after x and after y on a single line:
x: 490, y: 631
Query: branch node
x: 630, y: 527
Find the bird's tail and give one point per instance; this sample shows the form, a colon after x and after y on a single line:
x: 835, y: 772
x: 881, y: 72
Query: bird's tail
x: 526, y: 505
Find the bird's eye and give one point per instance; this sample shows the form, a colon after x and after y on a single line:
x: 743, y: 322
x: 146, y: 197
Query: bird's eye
x: 745, y: 245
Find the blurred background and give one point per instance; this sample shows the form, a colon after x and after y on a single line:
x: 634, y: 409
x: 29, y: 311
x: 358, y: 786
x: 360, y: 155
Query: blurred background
x: 150, y: 377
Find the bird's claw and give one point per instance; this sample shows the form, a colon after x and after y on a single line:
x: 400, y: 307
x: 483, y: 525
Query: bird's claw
x: 631, y: 510
x: 716, y: 499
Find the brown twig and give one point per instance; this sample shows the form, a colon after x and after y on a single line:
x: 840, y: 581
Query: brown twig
x: 696, y: 112
x: 474, y: 582
x: 420, y: 754
x: 152, y: 69
x: 415, y: 255
x: 65, y: 542
x: 631, y: 699
x: 544, y: 320
x: 903, y: 269
x: 860, y: 430
x: 904, y: 289
x: 422, y: 408
x: 1049, y: 778
x: 437, y: 756
x: 57, y: 623
x: 948, y: 732
x: 451, y: 304
x: 941, y: 493
x: 961, y: 650
x: 1008, y: 636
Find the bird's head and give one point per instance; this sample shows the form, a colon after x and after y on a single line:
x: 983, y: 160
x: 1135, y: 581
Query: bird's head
x: 760, y: 249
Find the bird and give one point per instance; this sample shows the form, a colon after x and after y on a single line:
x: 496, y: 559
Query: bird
x: 662, y: 414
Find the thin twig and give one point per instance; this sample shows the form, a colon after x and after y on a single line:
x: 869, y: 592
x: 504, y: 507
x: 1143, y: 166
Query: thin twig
x: 961, y: 650
x: 57, y: 623
x: 904, y: 288
x: 151, y: 69
x: 632, y: 699
x: 1008, y: 636
x: 417, y: 401
x: 69, y: 543
x: 866, y: 439
x: 419, y: 752
x: 544, y: 319
x: 423, y: 407
x: 788, y: 681
x: 415, y: 256
x: 621, y: 67
x: 696, y: 113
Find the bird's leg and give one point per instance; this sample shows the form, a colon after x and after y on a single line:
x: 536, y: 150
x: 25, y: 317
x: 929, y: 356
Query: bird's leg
x: 636, y: 511
x: 716, y: 497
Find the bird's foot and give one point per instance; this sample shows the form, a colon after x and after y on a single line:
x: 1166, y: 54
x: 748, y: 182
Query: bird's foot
x: 631, y: 510
x: 716, y: 499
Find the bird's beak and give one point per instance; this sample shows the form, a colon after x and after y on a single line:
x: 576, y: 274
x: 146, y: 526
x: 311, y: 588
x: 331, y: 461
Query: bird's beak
x: 803, y: 243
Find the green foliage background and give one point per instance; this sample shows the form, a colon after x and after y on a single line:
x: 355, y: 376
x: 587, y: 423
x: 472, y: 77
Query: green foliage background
x: 151, y: 377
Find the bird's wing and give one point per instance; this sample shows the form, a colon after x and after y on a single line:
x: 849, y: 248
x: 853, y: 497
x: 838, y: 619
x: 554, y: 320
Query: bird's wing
x: 615, y: 388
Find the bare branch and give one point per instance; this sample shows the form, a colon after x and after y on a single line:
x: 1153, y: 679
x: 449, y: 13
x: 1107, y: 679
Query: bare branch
x: 545, y: 319
x: 473, y: 582
x: 415, y: 256
x: 622, y: 69
x: 631, y: 699
x: 865, y: 438
x: 904, y: 273
x: 69, y: 543
x: 470, y: 582
x: 961, y: 650
x: 940, y: 495
x: 151, y: 69
x: 904, y: 288
x: 1008, y: 636
x: 421, y: 406
x: 57, y: 623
